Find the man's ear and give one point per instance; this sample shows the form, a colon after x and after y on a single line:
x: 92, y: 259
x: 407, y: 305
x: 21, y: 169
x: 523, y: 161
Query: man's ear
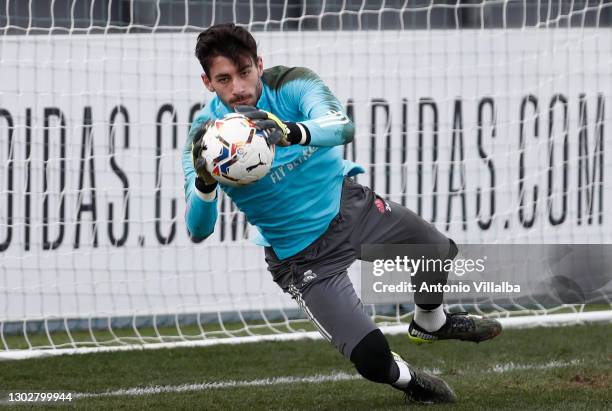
x: 260, y: 65
x: 207, y: 83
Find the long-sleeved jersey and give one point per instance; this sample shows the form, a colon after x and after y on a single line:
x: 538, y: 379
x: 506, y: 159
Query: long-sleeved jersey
x: 295, y: 202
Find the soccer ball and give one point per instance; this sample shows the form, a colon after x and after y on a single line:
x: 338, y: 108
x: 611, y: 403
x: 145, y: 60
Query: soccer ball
x: 237, y: 153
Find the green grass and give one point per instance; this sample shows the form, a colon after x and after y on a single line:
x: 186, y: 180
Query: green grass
x: 84, y: 338
x: 585, y: 385
x: 130, y: 335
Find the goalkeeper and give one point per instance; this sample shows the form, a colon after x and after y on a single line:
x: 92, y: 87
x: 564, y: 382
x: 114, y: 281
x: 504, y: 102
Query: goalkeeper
x: 311, y: 216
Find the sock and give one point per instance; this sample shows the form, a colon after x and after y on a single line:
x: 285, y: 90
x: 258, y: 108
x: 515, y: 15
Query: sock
x: 373, y: 359
x: 404, y: 375
x: 430, y: 320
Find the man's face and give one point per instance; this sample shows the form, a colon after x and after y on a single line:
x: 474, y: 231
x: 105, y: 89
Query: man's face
x: 235, y: 84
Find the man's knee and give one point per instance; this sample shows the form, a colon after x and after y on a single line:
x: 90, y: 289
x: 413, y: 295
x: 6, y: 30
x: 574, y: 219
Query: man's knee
x: 452, y: 251
x: 438, y: 246
x: 372, y: 357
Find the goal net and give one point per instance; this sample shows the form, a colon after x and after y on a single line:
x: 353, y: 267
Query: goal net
x: 492, y: 120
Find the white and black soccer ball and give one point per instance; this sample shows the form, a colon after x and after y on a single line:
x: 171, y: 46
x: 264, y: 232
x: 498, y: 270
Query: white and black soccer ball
x: 237, y: 153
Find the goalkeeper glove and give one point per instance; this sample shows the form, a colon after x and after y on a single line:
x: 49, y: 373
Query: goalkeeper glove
x: 281, y: 133
x: 204, y: 180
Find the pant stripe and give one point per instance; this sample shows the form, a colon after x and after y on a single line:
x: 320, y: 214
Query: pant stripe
x: 298, y: 298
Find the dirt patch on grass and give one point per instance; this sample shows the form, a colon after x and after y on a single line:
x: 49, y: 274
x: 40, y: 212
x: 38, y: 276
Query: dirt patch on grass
x: 595, y: 381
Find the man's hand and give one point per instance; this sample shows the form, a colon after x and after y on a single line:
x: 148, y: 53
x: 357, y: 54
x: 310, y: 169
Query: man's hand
x: 197, y: 147
x: 278, y: 132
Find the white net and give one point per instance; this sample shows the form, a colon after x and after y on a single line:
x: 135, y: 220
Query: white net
x: 490, y: 119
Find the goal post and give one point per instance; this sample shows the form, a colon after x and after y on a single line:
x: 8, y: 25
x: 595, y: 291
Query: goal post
x: 492, y: 120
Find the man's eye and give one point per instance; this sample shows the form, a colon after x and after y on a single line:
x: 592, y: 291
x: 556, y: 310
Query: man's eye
x: 223, y: 80
x: 245, y: 73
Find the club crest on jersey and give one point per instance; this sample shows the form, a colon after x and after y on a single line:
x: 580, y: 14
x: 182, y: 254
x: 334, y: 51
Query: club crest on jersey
x: 382, y: 206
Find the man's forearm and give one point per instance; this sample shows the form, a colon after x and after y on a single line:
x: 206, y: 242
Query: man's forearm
x: 334, y: 129
x: 201, y: 212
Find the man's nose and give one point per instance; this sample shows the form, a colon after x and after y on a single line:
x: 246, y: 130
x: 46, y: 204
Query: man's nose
x: 239, y: 86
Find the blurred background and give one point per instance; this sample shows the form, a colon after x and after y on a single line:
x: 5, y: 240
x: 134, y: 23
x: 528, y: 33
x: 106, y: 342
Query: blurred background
x: 92, y: 16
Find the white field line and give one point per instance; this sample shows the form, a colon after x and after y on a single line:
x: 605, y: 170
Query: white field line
x: 339, y: 376
x: 502, y: 368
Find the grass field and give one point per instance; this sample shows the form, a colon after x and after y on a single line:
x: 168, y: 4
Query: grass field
x: 533, y: 369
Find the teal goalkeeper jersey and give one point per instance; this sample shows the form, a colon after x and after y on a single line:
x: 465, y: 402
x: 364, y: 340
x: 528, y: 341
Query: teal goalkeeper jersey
x: 295, y: 202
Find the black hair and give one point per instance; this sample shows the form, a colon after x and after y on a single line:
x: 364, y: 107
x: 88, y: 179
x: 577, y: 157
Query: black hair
x: 227, y: 40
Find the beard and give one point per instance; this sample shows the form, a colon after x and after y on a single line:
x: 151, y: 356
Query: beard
x: 247, y: 99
